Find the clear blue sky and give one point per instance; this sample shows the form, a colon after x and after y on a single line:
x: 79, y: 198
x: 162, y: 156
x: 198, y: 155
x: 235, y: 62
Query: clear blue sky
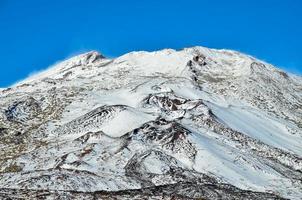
x: 36, y: 34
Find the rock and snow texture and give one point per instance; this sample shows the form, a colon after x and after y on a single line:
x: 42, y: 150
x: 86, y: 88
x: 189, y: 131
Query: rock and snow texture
x: 197, y: 123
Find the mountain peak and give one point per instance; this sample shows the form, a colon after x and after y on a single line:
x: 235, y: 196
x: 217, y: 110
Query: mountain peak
x: 89, y: 57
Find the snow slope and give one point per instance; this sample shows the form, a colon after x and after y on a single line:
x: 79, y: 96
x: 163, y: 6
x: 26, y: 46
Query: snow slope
x: 194, y: 123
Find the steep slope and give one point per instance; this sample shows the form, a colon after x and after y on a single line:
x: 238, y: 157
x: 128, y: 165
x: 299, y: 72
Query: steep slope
x: 194, y: 123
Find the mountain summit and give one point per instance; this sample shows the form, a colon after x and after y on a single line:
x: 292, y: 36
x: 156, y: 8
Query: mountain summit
x: 197, y: 123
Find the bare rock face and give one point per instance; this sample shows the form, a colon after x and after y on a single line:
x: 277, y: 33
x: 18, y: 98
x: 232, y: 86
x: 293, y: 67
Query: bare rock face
x: 192, y: 124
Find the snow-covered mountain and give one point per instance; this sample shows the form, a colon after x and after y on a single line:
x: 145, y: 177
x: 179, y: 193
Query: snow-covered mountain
x: 197, y: 123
